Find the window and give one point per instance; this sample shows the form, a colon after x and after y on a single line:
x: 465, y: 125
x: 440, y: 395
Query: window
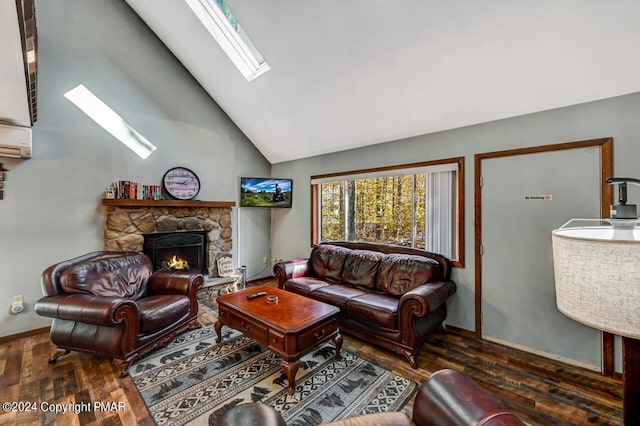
x: 223, y: 26
x: 415, y: 205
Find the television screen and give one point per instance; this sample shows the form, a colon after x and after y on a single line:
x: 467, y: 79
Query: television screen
x: 265, y: 192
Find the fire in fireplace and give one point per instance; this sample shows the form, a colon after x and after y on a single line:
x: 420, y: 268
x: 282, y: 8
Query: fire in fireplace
x: 177, y: 263
x: 183, y: 250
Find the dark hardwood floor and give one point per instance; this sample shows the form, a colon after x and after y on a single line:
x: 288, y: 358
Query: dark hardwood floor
x: 539, y: 390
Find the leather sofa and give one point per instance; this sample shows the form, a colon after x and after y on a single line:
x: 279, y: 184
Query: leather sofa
x: 112, y: 304
x: 391, y: 295
x: 446, y: 398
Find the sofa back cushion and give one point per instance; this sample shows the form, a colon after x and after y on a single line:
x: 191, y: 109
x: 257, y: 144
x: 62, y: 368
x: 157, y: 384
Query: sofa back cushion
x: 326, y: 261
x: 360, y: 267
x: 120, y: 276
x: 400, y: 273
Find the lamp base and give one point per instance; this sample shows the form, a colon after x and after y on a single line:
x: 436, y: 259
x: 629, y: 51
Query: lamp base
x: 631, y: 381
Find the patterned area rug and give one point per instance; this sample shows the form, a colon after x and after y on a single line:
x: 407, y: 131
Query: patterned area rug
x: 195, y: 380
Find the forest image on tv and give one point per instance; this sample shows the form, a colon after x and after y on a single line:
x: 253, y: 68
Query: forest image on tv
x: 265, y: 192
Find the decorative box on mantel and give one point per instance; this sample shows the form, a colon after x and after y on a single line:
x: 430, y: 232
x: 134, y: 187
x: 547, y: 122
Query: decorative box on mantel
x: 126, y: 222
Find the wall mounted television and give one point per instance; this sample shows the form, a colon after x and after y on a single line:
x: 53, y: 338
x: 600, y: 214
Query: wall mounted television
x: 266, y: 192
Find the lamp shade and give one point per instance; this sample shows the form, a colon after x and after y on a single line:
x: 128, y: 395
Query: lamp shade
x: 597, y: 276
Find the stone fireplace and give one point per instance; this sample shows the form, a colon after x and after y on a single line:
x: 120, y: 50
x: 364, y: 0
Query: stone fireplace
x: 128, y: 221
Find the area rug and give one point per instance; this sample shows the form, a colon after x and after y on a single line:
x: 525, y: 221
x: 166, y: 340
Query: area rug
x: 195, y: 381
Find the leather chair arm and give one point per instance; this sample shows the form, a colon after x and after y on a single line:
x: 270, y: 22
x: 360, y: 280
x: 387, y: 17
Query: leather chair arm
x: 295, y: 268
x: 427, y: 297
x: 87, y: 308
x: 175, y: 282
x: 449, y: 397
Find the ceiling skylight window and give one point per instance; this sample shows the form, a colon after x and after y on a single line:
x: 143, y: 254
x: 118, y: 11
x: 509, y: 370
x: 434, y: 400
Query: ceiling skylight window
x: 109, y: 120
x: 225, y: 29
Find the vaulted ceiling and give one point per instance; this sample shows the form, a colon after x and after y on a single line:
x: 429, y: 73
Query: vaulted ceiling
x: 346, y: 74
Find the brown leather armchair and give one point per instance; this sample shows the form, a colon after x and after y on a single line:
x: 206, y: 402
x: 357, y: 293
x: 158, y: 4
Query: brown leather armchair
x: 113, y: 304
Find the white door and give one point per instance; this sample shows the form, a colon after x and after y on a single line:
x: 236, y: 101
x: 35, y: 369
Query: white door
x: 525, y: 197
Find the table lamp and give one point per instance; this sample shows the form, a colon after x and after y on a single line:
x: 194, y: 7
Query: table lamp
x: 597, y: 276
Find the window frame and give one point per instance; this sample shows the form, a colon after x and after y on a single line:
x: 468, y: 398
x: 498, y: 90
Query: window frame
x: 315, y: 194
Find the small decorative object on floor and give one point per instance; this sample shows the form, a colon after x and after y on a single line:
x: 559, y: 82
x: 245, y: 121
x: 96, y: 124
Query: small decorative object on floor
x: 227, y: 270
x: 225, y: 266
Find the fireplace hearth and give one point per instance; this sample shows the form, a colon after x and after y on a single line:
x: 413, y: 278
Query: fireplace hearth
x: 181, y: 250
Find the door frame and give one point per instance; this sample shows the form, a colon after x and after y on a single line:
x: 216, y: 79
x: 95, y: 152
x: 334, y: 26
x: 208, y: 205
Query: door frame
x: 606, y: 192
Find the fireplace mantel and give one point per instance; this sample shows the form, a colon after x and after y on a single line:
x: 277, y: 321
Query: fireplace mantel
x: 165, y: 203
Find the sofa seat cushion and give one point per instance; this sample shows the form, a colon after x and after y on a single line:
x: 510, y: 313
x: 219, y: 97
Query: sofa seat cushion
x: 336, y: 295
x: 374, y: 309
x: 400, y: 273
x: 159, y: 312
x: 304, y: 285
x: 360, y: 268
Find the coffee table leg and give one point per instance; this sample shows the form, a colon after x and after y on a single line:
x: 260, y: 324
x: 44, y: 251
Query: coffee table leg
x: 291, y: 369
x: 338, y: 341
x: 218, y: 328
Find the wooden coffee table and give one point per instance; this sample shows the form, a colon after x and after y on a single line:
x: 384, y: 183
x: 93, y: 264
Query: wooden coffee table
x: 291, y: 328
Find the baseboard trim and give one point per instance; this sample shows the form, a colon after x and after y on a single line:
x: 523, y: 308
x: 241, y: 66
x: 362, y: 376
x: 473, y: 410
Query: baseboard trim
x: 460, y: 331
x: 29, y: 333
x: 543, y: 354
x: 472, y: 335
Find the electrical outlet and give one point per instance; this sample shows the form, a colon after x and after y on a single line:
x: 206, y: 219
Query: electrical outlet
x: 17, y: 305
x: 265, y: 259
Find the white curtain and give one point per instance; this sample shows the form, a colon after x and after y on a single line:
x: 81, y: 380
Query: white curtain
x: 440, y: 213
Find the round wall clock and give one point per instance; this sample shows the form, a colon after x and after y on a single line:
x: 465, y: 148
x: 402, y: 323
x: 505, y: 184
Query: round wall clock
x: 181, y: 183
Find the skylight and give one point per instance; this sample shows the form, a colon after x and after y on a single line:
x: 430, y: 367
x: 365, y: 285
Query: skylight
x: 109, y: 120
x: 225, y: 29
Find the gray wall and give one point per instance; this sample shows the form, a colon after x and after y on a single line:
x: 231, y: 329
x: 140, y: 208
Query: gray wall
x: 51, y: 209
x: 617, y: 117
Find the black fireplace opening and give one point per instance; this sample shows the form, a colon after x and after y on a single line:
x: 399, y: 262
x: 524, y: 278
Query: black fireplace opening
x: 183, y: 250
